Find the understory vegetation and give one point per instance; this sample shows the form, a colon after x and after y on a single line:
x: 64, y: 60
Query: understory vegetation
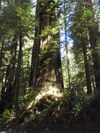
x: 50, y: 66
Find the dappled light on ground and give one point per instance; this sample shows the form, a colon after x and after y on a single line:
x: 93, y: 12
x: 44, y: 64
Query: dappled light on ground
x: 51, y: 91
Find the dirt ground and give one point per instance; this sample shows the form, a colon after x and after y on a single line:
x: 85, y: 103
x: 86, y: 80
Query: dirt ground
x: 57, y: 128
x: 52, y: 127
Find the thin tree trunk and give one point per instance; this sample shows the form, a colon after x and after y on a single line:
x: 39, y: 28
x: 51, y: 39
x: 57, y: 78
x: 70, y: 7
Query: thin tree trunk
x: 1, y: 52
x: 36, y: 49
x: 87, y: 69
x: 18, y: 74
x: 1, y: 62
x: 0, y: 4
x: 8, y: 89
x: 66, y: 45
x: 96, y: 58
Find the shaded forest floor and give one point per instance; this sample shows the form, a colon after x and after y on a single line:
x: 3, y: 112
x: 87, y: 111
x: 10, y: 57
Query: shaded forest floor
x: 55, y: 119
x: 54, y: 127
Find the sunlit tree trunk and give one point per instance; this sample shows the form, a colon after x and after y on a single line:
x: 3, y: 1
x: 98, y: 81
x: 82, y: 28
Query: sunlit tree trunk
x: 66, y: 44
x: 46, y: 61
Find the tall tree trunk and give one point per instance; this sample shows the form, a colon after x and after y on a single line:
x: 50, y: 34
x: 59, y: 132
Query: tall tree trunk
x: 1, y: 61
x: 7, y: 93
x: 94, y: 35
x: 36, y: 49
x: 96, y: 57
x: 46, y: 55
x: 18, y: 74
x: 66, y: 45
x: 87, y: 68
x: 0, y: 4
x: 1, y: 51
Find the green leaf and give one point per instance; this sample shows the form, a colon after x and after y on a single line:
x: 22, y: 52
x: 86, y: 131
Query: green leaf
x: 87, y: 13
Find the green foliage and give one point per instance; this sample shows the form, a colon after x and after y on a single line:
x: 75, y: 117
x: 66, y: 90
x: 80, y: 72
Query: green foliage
x: 87, y: 14
x: 26, y: 96
x: 8, y: 113
x: 18, y: 17
x: 51, y: 29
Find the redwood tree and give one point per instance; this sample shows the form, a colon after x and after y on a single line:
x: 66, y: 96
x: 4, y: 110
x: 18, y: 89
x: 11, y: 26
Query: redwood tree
x: 46, y: 63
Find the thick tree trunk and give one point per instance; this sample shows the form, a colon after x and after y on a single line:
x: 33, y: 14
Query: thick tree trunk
x: 94, y: 35
x: 46, y: 63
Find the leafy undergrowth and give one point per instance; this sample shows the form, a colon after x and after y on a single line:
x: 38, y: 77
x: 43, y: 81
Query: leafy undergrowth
x: 58, y: 114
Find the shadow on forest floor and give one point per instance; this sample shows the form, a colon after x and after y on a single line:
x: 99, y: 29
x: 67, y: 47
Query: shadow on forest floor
x: 87, y: 120
x: 54, y: 127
